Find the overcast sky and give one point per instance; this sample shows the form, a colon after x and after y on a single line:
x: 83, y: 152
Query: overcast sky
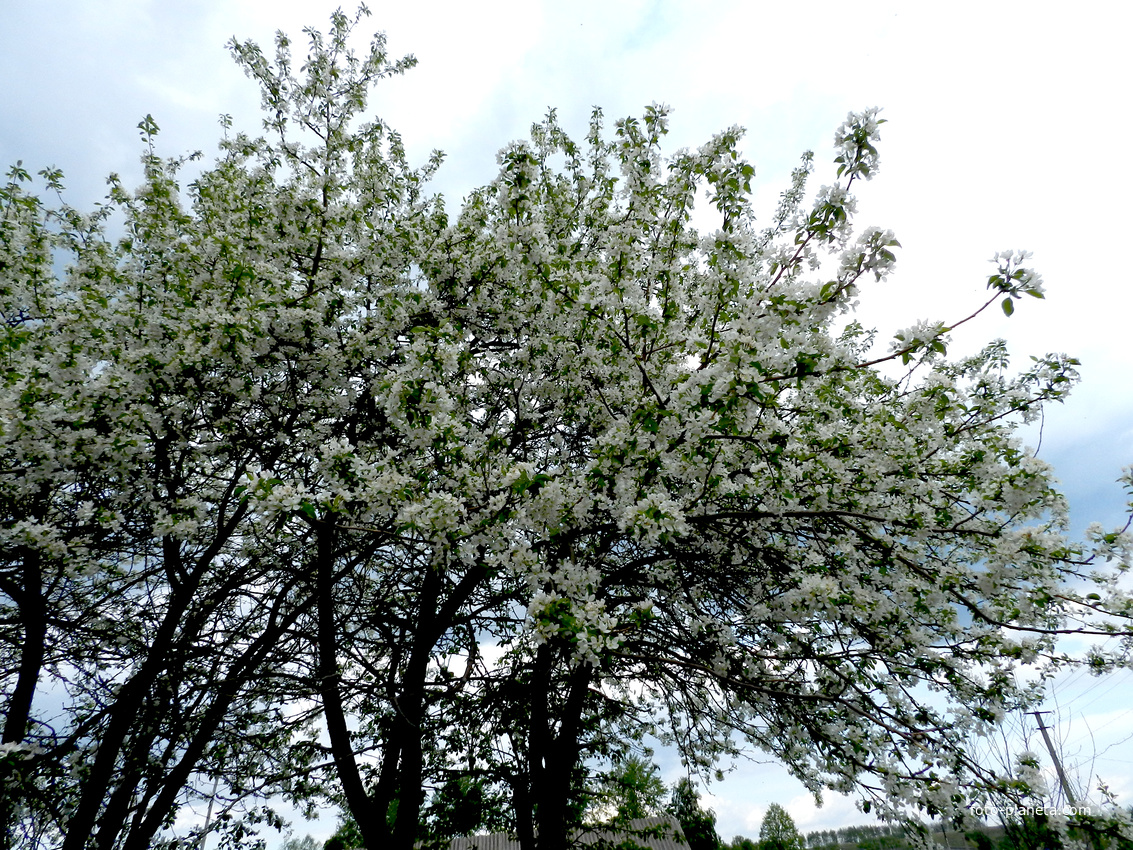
x: 1007, y: 123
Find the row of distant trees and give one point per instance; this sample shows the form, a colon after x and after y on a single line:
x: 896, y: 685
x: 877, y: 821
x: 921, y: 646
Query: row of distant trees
x: 852, y: 834
x: 778, y: 832
x: 634, y: 790
x: 1027, y: 832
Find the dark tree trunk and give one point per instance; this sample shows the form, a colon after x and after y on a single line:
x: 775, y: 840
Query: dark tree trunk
x: 33, y: 614
x: 371, y: 823
x: 251, y: 660
x: 412, y: 714
x: 122, y: 716
x: 554, y: 754
x: 524, y: 810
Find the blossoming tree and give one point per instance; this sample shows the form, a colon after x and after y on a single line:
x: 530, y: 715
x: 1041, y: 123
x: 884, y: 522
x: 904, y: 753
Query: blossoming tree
x: 482, y: 499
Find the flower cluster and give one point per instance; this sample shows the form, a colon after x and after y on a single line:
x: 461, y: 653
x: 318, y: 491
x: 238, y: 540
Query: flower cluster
x: 855, y: 142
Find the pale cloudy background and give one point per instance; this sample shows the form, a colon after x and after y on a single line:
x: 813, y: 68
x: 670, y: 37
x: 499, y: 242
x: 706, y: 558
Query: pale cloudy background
x: 1008, y: 127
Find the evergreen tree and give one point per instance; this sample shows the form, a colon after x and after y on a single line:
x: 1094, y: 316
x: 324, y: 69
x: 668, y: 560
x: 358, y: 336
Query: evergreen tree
x: 698, y: 825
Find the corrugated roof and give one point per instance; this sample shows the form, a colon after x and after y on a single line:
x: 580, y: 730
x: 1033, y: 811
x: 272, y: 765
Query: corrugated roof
x: 670, y: 838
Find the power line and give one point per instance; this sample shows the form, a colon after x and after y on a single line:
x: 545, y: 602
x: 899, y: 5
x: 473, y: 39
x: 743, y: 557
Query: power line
x: 1099, y: 696
x: 1114, y: 719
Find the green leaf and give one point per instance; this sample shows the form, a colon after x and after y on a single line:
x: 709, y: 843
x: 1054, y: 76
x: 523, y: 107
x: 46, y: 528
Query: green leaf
x: 1008, y: 307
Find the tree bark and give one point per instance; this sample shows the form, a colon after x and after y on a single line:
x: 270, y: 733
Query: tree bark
x: 371, y: 823
x: 124, y: 712
x: 33, y: 613
x: 553, y: 756
x: 251, y: 660
x: 411, y: 714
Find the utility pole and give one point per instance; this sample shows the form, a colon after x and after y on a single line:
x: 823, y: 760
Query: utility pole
x: 1063, y: 781
x: 208, y: 816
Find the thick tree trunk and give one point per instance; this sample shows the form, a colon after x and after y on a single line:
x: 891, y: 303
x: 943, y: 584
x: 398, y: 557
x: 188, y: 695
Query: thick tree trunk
x: 524, y: 810
x: 33, y: 614
x: 124, y: 712
x: 130, y: 779
x: 251, y: 660
x: 553, y: 755
x: 411, y: 715
x: 371, y: 823
x: 538, y: 740
x: 122, y: 716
